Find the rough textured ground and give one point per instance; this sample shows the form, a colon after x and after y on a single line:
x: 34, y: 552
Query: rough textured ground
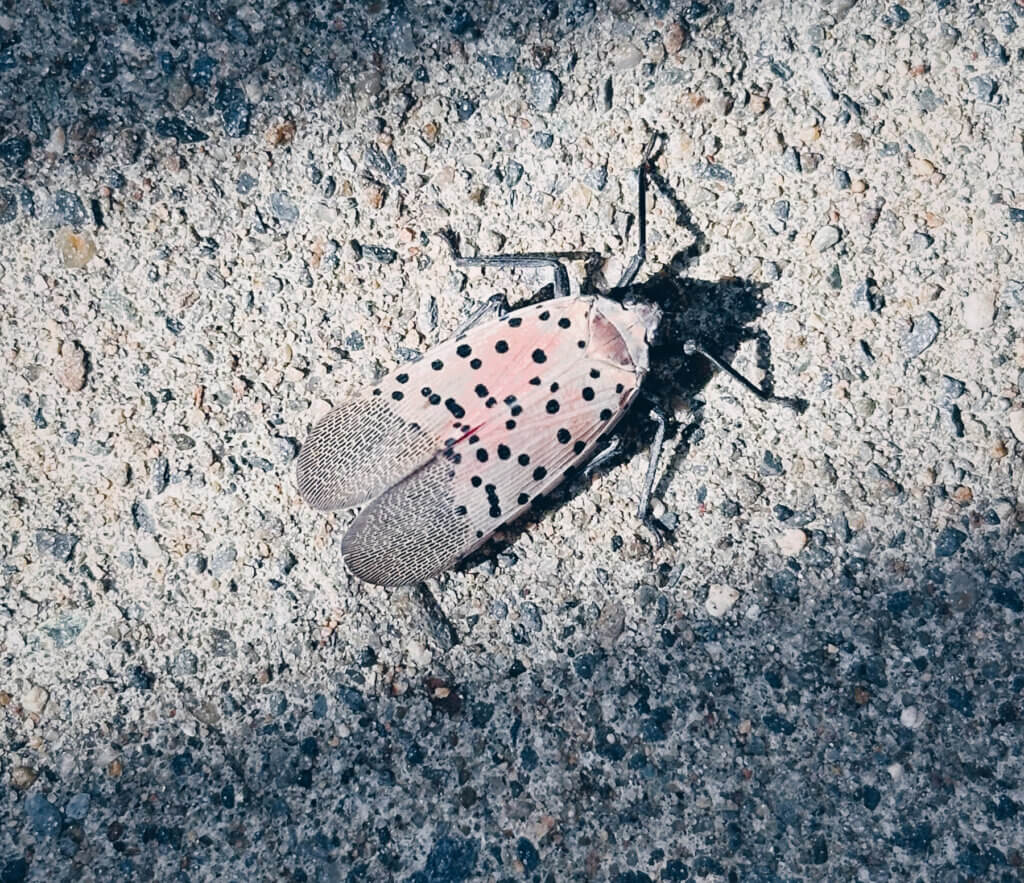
x: 216, y: 220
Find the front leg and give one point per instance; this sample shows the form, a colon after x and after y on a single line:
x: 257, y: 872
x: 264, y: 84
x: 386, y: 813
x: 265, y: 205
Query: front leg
x: 494, y: 307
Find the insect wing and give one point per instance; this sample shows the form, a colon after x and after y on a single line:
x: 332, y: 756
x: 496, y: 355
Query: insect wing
x: 534, y: 394
x: 358, y: 450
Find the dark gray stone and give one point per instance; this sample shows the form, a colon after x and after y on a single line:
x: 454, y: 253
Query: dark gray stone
x: 56, y: 544
x: 923, y: 332
x: 43, y: 816
x: 949, y: 542
x: 283, y: 207
x: 544, y: 90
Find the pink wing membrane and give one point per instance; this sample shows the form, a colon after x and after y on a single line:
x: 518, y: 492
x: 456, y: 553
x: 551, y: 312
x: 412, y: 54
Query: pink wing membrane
x: 523, y: 399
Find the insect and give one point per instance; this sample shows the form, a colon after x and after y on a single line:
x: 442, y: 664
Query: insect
x: 445, y: 450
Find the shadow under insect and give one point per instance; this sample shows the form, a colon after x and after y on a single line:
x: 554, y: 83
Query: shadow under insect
x: 719, y: 312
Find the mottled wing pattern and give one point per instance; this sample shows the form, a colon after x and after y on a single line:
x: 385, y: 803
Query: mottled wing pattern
x: 535, y: 393
x: 358, y: 450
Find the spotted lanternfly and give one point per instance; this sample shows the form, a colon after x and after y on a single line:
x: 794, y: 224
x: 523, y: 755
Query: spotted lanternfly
x: 445, y: 450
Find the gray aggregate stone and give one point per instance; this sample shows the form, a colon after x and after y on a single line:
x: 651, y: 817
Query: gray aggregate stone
x: 923, y: 332
x: 56, y: 544
x: 544, y: 90
x: 8, y: 205
x: 77, y: 807
x: 43, y: 816
x: 282, y: 207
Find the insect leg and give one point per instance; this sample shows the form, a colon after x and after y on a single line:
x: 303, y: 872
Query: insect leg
x: 532, y: 259
x: 636, y: 262
x: 643, y: 512
x: 797, y: 404
x: 495, y: 306
x: 603, y: 457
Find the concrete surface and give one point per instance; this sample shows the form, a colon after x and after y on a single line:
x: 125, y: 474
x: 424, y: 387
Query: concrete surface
x: 217, y: 219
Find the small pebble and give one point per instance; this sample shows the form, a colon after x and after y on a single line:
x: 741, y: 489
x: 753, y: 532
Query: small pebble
x: 77, y: 807
x: 911, y: 717
x: 71, y: 369
x: 628, y: 58
x: 35, y: 699
x: 610, y: 623
x: 285, y: 448
x: 921, y: 167
x: 42, y: 815
x: 23, y: 777
x: 921, y: 335
x: 792, y: 542
x: 979, y: 308
x: 949, y: 541
x: 75, y: 249
x: 826, y: 238
x: 465, y: 108
x: 544, y: 90
x: 282, y: 207
x: 720, y: 600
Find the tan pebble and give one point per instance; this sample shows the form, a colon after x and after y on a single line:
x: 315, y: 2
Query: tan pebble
x: 999, y: 449
x: 810, y: 134
x: 674, y: 38
x: 115, y: 768
x: 5, y: 699
x: 963, y: 495
x: 791, y: 542
x: 720, y: 600
x: 611, y: 622
x: 758, y: 104
x: 71, y: 369
x: 373, y: 195
x: 34, y: 701
x: 429, y: 133
x: 921, y: 167
x: 74, y: 249
x: 281, y: 134
x: 859, y: 186
x: 22, y: 777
